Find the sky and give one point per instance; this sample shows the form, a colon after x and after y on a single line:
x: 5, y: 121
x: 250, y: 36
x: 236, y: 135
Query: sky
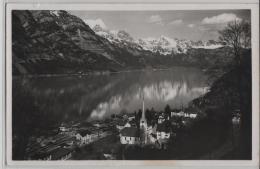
x: 189, y: 24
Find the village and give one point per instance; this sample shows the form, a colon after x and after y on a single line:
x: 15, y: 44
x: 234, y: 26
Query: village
x: 139, y: 129
x: 135, y: 129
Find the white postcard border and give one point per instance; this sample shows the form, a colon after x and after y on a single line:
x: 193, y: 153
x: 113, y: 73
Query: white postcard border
x: 95, y: 7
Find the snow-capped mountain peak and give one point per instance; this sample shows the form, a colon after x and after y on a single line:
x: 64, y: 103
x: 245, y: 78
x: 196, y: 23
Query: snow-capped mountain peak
x: 163, y: 44
x: 94, y: 22
x: 123, y: 35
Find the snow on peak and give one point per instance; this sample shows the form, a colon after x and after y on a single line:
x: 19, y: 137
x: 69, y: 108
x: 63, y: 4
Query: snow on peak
x: 123, y: 35
x: 163, y: 44
x: 166, y: 45
x: 95, y: 22
x: 56, y: 13
x: 167, y: 41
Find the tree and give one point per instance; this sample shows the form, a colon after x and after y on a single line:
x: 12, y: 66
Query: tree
x: 246, y: 36
x: 167, y: 110
x: 236, y: 34
x: 113, y: 116
x: 139, y: 114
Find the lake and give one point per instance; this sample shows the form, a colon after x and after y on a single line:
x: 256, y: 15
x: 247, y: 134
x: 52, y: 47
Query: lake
x: 85, y: 98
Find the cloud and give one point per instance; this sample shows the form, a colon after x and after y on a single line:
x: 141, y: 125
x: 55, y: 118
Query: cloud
x: 220, y: 19
x: 155, y: 19
x: 92, y: 23
x: 211, y: 28
x: 191, y: 25
x: 176, y: 22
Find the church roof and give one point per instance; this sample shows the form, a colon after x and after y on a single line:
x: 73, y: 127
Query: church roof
x: 130, y: 132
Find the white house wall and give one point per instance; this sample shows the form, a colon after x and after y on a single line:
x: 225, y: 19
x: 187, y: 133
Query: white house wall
x: 129, y: 140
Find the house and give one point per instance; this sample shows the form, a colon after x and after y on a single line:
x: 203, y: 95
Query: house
x: 153, y: 138
x: 84, y: 136
x: 163, y: 134
x: 127, y: 124
x: 125, y: 117
x: 131, y: 118
x: 186, y: 115
x: 97, y: 125
x: 161, y: 119
x: 182, y: 114
x: 63, y: 129
x: 162, y: 131
x: 109, y: 156
x: 236, y: 120
x: 192, y: 115
x: 129, y: 135
x: 61, y: 154
x: 174, y: 114
x: 120, y: 125
x: 133, y: 123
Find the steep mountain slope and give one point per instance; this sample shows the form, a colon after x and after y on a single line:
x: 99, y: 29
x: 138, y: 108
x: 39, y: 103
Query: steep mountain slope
x: 230, y: 94
x: 56, y: 42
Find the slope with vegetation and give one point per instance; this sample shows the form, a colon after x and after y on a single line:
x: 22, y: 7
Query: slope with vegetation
x: 231, y: 93
x: 56, y: 42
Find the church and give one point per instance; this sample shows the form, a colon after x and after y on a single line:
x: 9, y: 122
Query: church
x: 145, y: 130
x: 145, y: 134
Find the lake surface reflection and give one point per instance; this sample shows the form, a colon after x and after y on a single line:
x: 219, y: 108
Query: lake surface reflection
x: 96, y: 97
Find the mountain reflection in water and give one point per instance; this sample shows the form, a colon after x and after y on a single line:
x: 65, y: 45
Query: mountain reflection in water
x: 96, y: 97
x: 156, y: 95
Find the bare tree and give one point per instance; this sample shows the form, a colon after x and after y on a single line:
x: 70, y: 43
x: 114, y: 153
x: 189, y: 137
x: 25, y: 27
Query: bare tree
x: 246, y: 34
x: 237, y: 34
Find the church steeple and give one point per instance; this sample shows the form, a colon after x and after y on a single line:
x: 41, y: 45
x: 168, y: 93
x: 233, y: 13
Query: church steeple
x: 143, y: 118
x: 143, y: 112
x: 143, y: 126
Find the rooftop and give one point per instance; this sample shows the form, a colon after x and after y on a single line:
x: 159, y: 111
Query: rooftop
x: 84, y: 132
x: 130, y: 132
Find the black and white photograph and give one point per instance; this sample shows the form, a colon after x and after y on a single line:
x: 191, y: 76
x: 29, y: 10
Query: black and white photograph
x: 131, y: 84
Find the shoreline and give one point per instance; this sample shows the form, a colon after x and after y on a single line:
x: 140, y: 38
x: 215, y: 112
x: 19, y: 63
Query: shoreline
x: 98, y: 73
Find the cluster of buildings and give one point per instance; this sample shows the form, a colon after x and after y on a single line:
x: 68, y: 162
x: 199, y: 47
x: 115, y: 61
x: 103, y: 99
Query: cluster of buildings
x: 132, y: 131
x: 86, y: 137
x: 157, y: 134
x: 183, y: 114
x: 61, y: 145
x: 56, y: 154
x: 236, y: 117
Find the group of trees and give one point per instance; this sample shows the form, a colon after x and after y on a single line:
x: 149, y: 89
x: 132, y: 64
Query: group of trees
x: 237, y: 34
x: 151, y: 115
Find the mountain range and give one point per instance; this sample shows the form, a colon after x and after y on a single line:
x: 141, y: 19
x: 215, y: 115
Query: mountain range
x: 164, y: 45
x: 56, y: 42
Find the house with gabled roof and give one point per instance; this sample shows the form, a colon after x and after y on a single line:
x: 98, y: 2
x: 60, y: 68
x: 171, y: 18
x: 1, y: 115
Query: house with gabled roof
x: 130, y: 135
x: 163, y: 131
x: 84, y: 136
